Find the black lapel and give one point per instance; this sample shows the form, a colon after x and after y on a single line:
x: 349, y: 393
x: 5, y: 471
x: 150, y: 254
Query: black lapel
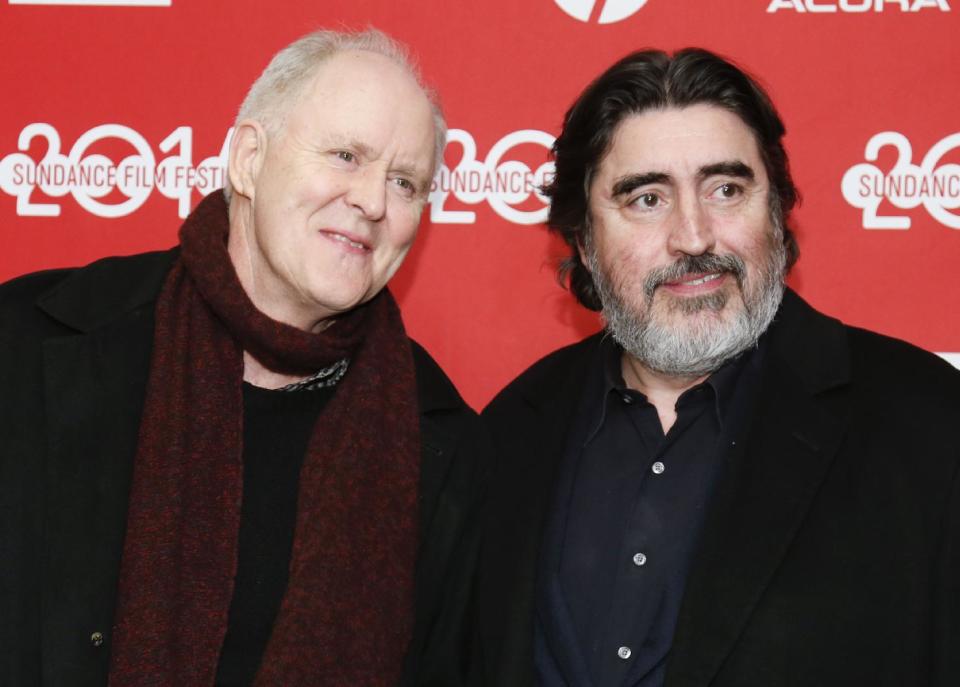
x: 94, y: 386
x: 766, y: 489
x: 529, y: 436
x: 447, y: 490
x: 438, y: 401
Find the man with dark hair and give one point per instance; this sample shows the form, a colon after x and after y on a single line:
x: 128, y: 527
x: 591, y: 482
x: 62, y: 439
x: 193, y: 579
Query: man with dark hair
x: 227, y: 463
x: 725, y: 487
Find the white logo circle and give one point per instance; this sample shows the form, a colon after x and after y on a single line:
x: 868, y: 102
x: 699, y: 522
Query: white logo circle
x: 611, y: 10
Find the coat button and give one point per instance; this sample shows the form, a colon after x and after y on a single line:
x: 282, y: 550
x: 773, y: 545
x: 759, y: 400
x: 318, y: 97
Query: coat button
x: 624, y: 652
x: 96, y: 638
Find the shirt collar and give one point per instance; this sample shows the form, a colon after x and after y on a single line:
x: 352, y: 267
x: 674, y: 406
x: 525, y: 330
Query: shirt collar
x: 610, y: 384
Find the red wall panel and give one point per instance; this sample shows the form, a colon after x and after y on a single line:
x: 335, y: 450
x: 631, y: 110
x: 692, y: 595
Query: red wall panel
x: 114, y: 120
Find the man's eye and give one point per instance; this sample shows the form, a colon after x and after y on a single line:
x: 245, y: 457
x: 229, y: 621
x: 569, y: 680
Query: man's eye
x: 407, y: 187
x: 647, y: 200
x: 729, y: 190
x: 345, y: 155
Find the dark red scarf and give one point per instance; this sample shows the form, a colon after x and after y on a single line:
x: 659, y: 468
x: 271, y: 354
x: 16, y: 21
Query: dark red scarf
x: 347, y: 614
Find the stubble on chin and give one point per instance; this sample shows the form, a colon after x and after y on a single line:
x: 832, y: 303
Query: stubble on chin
x: 713, y: 302
x: 689, y: 335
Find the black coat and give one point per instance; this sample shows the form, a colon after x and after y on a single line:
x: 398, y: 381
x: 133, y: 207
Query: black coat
x: 830, y: 555
x: 74, y: 357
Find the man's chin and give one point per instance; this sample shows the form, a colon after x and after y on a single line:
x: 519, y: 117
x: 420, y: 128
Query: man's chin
x: 711, y: 305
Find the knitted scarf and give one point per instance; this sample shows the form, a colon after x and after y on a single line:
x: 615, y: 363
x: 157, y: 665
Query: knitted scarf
x: 346, y: 617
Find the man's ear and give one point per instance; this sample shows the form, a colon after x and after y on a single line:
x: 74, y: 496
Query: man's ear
x: 581, y: 251
x: 248, y: 147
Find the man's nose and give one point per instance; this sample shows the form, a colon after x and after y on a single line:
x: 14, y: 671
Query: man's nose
x: 368, y: 192
x: 691, y: 231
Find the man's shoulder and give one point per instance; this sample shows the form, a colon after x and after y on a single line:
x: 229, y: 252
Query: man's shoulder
x: 36, y: 283
x: 828, y: 351
x: 887, y: 367
x: 27, y: 288
x: 118, y: 281
x: 884, y: 378
x: 546, y: 377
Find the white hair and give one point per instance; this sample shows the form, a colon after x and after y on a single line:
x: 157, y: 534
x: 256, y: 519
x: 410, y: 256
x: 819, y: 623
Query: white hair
x: 282, y: 82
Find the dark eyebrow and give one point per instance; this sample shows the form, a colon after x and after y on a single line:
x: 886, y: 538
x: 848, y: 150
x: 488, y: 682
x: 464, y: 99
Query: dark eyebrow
x: 732, y: 168
x: 626, y: 184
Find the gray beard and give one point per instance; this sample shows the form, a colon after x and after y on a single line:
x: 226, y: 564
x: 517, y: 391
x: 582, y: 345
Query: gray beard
x: 700, y: 346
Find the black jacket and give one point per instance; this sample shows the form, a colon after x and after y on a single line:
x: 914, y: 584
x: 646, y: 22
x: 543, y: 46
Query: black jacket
x: 830, y: 556
x: 74, y: 357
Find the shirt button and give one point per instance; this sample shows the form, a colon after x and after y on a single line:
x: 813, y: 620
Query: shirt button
x: 627, y: 399
x: 639, y: 559
x: 96, y: 638
x: 624, y: 652
x: 658, y: 468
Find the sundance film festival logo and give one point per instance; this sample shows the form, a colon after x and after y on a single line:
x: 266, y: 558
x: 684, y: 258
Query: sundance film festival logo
x: 610, y: 11
x: 857, y: 6
x: 111, y: 170
x: 507, y: 184
x: 905, y: 185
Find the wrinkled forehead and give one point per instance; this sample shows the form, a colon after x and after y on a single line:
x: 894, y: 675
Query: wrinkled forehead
x: 366, y: 98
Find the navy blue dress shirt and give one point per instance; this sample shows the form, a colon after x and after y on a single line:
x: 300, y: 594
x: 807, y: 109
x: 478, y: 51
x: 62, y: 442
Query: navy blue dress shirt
x: 629, y: 507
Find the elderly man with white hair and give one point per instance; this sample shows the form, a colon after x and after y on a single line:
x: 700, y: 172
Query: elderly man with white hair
x: 227, y: 463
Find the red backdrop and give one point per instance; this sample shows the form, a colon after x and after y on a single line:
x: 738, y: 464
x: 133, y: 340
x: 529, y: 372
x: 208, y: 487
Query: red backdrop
x: 114, y: 118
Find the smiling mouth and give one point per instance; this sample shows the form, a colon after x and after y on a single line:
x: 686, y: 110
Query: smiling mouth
x: 694, y: 281
x: 702, y: 280
x: 695, y: 275
x: 347, y: 241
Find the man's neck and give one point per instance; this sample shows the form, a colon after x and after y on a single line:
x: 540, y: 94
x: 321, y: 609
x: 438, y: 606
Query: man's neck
x: 268, y: 295
x: 273, y: 306
x: 662, y: 390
